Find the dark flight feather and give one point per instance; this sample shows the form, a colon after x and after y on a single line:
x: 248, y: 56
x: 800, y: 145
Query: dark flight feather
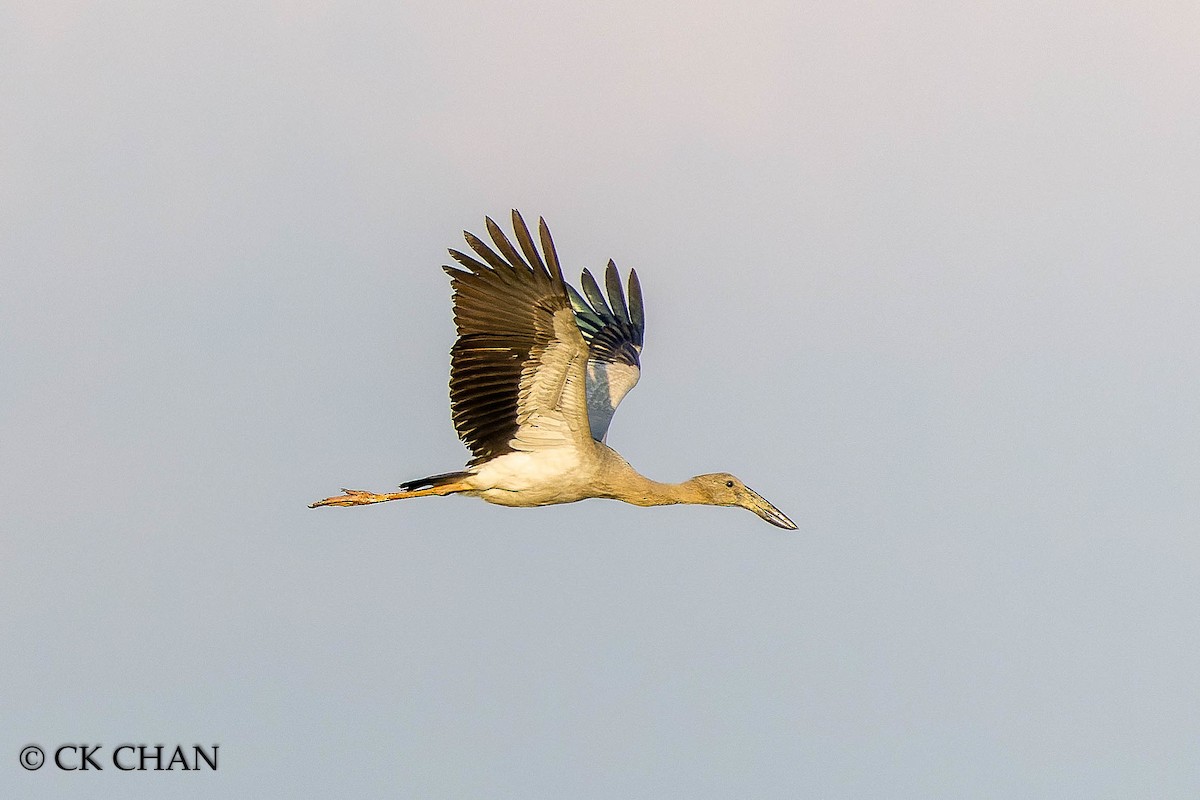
x: 504, y: 307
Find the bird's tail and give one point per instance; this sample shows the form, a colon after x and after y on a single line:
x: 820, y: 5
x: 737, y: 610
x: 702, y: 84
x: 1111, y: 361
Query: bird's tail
x: 433, y: 481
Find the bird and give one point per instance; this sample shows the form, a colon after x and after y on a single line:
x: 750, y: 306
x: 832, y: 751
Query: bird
x: 536, y: 374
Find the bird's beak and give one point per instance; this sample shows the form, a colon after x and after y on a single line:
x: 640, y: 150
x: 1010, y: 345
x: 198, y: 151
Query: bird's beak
x: 756, y: 503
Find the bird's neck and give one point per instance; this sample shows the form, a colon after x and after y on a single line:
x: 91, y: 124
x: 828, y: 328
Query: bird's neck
x: 630, y: 486
x: 653, y: 493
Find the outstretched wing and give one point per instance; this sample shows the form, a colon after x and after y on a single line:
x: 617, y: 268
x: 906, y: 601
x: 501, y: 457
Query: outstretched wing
x: 518, y: 369
x: 613, y: 332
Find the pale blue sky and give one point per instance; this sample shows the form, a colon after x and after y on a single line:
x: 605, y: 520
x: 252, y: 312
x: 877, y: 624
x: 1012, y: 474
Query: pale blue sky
x: 923, y: 274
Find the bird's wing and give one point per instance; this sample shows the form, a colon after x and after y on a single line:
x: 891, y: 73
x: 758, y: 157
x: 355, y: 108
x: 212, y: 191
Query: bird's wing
x: 518, y: 369
x: 614, y: 333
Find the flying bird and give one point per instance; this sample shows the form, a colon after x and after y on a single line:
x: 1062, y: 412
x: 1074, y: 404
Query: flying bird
x: 535, y: 376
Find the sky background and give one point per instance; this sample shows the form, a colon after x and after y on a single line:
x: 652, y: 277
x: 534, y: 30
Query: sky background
x: 924, y: 274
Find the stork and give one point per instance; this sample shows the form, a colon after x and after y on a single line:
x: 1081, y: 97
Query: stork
x: 535, y: 376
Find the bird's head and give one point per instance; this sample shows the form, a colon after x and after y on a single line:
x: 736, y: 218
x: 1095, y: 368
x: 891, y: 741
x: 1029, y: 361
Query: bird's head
x: 723, y: 489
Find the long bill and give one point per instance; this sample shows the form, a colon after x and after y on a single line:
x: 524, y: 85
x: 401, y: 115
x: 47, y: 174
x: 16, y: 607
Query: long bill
x: 758, y: 504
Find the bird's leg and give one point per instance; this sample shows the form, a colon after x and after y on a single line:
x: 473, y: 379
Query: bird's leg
x: 354, y: 497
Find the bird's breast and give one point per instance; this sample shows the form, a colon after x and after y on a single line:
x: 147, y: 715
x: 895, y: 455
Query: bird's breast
x: 538, y: 478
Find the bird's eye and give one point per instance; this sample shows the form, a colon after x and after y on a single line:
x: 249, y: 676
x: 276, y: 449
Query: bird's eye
x: 729, y: 484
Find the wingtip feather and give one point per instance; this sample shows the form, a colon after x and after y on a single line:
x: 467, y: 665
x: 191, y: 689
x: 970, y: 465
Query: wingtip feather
x: 553, y: 267
x: 525, y: 239
x: 637, y: 308
x: 616, y: 297
x: 592, y: 290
